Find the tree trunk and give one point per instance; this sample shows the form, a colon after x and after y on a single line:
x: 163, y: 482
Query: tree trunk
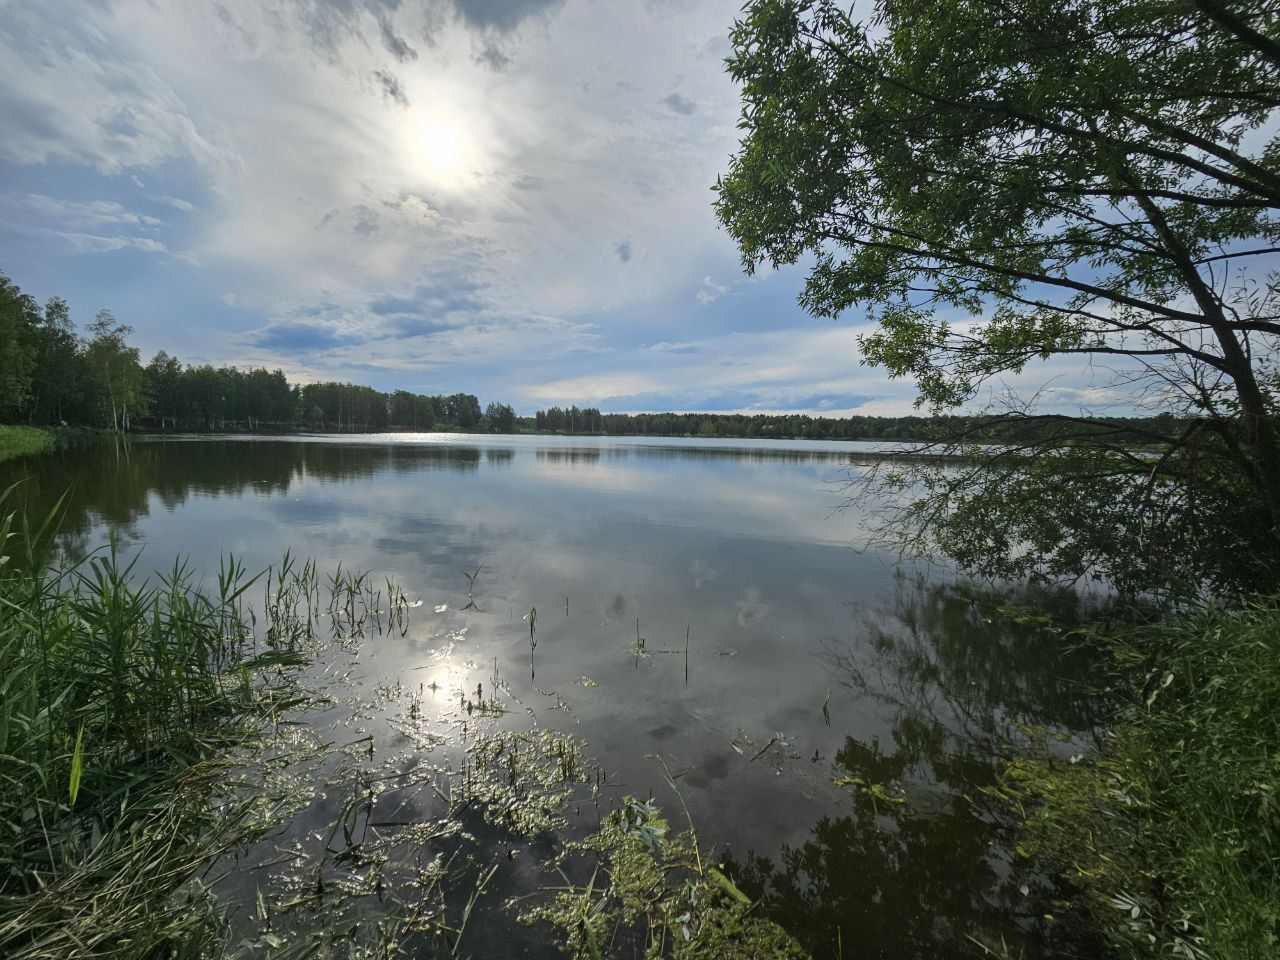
x: 1259, y: 433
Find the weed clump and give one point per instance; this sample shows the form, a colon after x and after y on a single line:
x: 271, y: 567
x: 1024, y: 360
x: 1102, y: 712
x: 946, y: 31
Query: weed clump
x: 1169, y: 839
x: 652, y: 892
x: 123, y: 705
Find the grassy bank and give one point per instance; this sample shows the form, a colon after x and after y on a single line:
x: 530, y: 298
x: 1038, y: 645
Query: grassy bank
x: 20, y: 441
x: 1169, y: 840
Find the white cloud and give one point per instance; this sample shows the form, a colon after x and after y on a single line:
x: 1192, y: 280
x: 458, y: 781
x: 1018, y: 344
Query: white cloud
x: 76, y: 212
x: 71, y: 93
x: 98, y: 243
x: 594, y: 388
x: 710, y: 291
x: 285, y: 138
x: 557, y: 257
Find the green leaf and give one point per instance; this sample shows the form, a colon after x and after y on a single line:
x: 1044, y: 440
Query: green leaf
x: 77, y: 766
x: 728, y: 886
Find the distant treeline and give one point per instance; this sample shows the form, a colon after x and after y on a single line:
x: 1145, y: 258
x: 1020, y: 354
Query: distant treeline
x: 992, y: 429
x: 49, y: 373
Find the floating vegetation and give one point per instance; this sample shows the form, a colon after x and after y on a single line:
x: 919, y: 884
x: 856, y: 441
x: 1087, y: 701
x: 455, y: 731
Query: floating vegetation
x: 778, y: 748
x: 655, y: 894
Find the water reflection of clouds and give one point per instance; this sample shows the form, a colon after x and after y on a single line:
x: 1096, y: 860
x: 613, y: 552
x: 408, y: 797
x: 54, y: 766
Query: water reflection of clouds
x: 730, y: 498
x: 708, y: 544
x: 742, y: 553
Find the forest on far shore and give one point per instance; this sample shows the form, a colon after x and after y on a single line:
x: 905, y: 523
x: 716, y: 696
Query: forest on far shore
x: 50, y: 374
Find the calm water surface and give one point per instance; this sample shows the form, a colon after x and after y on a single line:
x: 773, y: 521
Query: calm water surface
x: 813, y: 664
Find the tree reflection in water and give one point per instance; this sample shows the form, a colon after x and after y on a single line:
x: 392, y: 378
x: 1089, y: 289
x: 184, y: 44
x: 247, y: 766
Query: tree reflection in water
x: 946, y: 676
x: 922, y: 861
x: 117, y: 480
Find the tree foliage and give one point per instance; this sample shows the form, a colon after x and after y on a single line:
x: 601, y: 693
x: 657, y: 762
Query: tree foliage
x: 1001, y: 181
x: 802, y: 426
x: 18, y: 314
x: 51, y: 374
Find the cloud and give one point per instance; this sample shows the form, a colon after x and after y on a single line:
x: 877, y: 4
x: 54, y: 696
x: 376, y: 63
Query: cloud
x: 665, y: 347
x: 502, y: 15
x: 710, y: 291
x: 288, y: 130
x: 100, y: 243
x: 814, y: 370
x: 593, y: 387
x: 493, y: 58
x: 367, y: 222
x: 444, y: 297
x: 678, y: 104
x: 330, y: 25
x: 61, y: 100
x: 297, y: 336
x: 638, y: 394
x: 391, y: 87
x: 395, y: 45
x: 403, y: 327
x: 82, y: 213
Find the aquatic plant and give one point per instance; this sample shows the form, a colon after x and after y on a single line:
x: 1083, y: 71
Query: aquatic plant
x: 119, y: 705
x: 126, y: 706
x: 655, y: 893
x: 471, y: 587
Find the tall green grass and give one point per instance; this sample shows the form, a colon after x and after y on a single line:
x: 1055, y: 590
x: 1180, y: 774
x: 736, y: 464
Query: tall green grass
x: 20, y: 441
x: 120, y: 705
x: 1170, y: 837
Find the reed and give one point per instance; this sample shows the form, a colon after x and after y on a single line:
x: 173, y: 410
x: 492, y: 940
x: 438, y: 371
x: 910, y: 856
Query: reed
x: 123, y: 702
x: 471, y: 587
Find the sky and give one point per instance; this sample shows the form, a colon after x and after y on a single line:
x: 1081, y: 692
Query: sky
x: 510, y: 198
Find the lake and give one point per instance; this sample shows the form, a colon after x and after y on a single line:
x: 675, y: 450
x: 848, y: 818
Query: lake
x: 705, y: 619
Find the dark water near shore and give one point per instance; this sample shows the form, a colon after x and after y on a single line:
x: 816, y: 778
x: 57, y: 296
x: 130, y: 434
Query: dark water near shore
x: 815, y: 669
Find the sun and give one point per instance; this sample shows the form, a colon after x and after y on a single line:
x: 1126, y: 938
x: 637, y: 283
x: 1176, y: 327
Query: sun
x: 440, y: 148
